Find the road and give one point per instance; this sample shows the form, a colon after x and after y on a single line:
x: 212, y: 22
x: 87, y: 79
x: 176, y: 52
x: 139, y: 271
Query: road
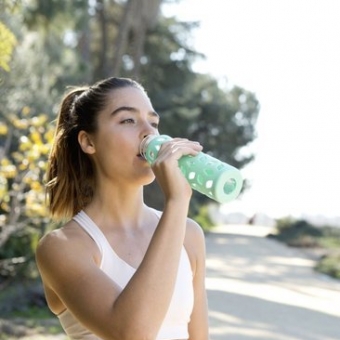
x: 259, y: 288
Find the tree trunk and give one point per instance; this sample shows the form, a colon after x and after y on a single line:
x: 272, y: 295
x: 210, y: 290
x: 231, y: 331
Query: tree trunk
x: 122, y: 37
x: 102, y: 68
x: 138, y: 28
x: 146, y: 14
x: 138, y: 16
x: 84, y: 46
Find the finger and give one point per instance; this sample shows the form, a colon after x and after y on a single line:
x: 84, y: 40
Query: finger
x: 185, y: 144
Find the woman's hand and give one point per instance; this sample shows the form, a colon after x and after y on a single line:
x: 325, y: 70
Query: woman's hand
x: 166, y: 169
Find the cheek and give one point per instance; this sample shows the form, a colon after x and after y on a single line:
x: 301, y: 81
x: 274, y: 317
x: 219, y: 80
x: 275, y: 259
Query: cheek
x: 112, y: 150
x: 104, y: 138
x: 114, y: 141
x: 107, y: 161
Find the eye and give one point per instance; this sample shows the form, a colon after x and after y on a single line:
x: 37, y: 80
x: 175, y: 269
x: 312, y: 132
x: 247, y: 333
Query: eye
x: 128, y: 121
x: 155, y: 125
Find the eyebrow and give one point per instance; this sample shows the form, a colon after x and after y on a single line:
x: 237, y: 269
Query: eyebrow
x: 132, y: 109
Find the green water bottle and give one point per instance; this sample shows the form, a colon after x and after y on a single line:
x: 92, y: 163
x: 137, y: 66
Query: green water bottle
x: 206, y: 174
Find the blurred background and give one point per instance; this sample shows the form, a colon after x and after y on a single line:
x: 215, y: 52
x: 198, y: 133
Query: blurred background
x: 256, y: 82
x: 287, y: 53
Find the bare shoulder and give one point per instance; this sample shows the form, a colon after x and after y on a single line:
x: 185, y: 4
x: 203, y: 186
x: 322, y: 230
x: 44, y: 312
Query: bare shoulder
x: 194, y: 243
x: 56, y: 240
x: 50, y: 243
x: 194, y: 232
x: 60, y: 248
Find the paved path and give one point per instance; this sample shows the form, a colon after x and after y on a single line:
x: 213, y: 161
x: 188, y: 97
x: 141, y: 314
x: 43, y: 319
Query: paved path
x: 259, y: 288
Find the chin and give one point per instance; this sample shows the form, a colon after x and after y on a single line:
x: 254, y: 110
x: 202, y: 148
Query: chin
x: 150, y: 180
x: 147, y: 178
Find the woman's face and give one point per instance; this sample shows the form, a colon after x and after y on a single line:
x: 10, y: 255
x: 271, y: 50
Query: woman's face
x: 122, y: 125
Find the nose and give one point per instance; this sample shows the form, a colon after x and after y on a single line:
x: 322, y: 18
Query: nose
x: 144, y: 137
x: 148, y: 129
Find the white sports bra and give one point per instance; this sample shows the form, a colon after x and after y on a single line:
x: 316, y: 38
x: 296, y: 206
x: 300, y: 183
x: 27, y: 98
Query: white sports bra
x: 175, y: 324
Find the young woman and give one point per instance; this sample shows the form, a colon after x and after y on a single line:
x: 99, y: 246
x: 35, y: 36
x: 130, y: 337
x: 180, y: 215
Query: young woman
x: 119, y: 269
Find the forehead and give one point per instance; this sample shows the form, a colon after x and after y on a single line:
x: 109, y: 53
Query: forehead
x: 129, y: 96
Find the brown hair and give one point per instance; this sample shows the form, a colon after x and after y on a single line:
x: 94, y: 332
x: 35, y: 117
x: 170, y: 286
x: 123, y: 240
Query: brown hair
x: 70, y: 172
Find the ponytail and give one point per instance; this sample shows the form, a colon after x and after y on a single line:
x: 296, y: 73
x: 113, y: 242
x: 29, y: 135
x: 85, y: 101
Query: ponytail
x: 69, y: 169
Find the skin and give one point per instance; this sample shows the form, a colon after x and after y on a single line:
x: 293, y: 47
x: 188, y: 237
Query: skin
x: 68, y: 259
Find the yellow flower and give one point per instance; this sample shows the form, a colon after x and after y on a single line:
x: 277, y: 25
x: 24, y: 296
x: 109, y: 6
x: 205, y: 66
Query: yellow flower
x: 3, y: 129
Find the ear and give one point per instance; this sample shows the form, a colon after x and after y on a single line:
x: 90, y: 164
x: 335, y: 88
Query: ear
x: 86, y: 143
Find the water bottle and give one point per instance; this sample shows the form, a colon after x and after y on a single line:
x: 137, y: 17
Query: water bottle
x: 206, y: 174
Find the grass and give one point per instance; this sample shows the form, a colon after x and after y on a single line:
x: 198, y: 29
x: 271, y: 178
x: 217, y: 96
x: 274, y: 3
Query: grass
x: 330, y: 265
x: 15, y: 327
x: 24, y: 313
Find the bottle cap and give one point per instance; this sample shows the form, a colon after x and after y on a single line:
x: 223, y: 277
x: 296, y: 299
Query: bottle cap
x: 149, y: 150
x: 144, y: 145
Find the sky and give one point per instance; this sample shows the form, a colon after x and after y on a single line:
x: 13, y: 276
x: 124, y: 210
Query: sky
x: 287, y: 52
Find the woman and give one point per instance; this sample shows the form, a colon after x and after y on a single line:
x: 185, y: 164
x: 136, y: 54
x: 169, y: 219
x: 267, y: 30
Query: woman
x: 119, y: 269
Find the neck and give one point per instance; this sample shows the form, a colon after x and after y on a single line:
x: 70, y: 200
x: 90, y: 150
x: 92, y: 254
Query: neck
x: 117, y: 206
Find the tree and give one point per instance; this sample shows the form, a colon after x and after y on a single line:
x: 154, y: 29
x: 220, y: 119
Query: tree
x: 194, y: 105
x: 23, y: 216
x: 69, y: 42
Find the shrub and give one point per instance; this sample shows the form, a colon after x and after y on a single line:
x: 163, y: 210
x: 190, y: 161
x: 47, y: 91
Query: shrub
x: 303, y: 234
x: 203, y: 218
x: 330, y: 264
x: 297, y: 233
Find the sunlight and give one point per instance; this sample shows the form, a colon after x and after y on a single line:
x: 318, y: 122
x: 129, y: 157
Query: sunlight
x: 273, y: 293
x: 294, y: 71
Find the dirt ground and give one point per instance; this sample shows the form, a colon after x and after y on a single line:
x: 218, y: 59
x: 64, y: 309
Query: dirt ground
x: 261, y: 289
